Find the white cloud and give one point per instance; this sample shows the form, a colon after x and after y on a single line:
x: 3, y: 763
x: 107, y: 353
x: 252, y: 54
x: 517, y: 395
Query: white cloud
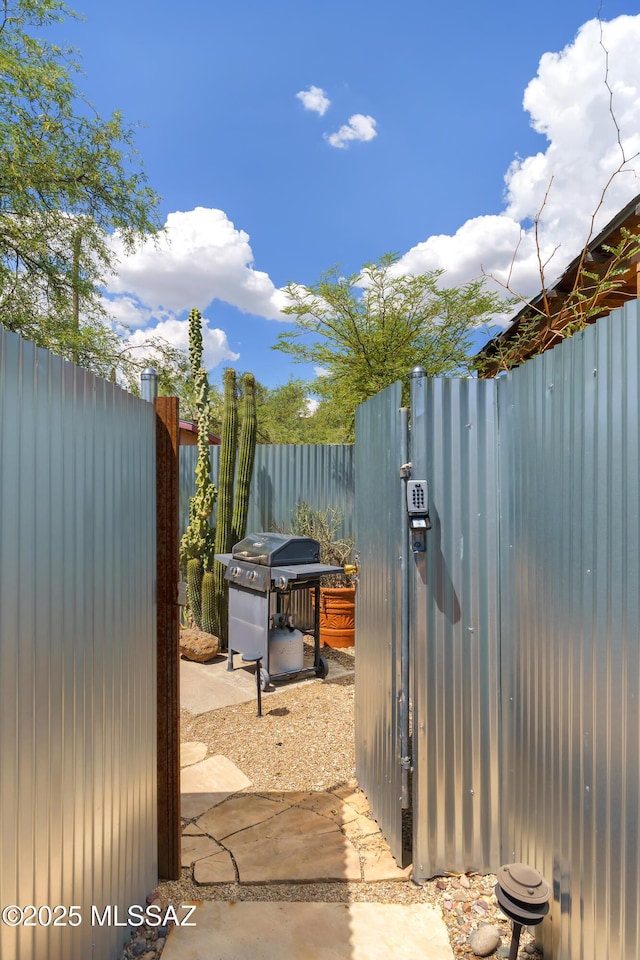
x: 568, y: 102
x: 311, y: 406
x: 199, y: 258
x: 215, y: 346
x: 321, y: 372
x: 359, y: 128
x: 314, y: 99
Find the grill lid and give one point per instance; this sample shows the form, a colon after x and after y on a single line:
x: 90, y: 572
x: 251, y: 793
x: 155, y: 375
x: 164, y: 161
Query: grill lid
x: 271, y: 549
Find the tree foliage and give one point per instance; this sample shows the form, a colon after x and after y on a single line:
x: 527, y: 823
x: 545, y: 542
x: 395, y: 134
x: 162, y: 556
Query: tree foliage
x: 68, y: 179
x: 370, y: 329
x: 286, y: 414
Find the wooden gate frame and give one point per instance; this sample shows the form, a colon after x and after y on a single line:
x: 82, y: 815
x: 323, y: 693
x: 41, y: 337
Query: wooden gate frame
x: 168, y: 630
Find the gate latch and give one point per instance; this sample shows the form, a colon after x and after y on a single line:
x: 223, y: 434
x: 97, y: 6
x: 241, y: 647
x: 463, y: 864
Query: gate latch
x: 406, y: 763
x: 418, y: 511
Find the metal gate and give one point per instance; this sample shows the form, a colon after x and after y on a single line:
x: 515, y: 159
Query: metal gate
x: 455, y: 629
x: 379, y: 524
x: 428, y: 622
x: 524, y: 624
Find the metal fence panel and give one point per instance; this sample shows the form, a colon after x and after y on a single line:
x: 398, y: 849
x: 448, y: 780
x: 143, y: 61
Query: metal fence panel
x: 379, y: 525
x: 283, y: 475
x: 455, y: 630
x: 77, y: 650
x: 571, y: 621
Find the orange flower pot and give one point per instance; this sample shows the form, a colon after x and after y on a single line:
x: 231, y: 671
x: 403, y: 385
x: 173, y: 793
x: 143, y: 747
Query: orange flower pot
x: 338, y: 616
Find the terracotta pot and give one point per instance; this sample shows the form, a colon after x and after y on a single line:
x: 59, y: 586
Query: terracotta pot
x: 338, y: 616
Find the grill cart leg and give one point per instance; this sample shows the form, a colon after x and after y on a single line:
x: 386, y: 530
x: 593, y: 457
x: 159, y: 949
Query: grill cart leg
x: 320, y: 665
x: 258, y: 662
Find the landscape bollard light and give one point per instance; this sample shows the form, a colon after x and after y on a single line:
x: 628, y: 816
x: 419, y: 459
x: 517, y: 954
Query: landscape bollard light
x: 523, y: 894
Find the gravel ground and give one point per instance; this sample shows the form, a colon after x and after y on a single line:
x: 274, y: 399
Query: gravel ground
x: 305, y: 741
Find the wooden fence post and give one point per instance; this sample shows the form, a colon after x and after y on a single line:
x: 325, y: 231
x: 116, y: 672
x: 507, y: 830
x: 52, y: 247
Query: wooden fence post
x: 168, y: 627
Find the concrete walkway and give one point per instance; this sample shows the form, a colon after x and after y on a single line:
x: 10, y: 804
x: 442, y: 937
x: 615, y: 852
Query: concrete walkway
x: 317, y: 931
x: 234, y: 834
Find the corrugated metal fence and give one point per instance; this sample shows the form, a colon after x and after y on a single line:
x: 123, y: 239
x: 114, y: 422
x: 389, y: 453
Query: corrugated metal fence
x: 284, y: 475
x: 378, y: 614
x: 525, y: 627
x: 77, y: 651
x: 456, y: 629
x: 570, y: 569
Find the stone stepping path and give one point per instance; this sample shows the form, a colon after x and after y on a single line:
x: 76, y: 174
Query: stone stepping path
x: 231, y: 835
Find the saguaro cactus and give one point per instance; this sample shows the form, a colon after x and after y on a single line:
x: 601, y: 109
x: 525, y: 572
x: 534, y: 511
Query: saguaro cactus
x: 225, y: 497
x: 196, y: 546
x: 246, y: 457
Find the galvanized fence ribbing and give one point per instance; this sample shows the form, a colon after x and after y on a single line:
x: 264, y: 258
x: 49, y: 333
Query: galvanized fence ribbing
x: 380, y: 543
x: 570, y: 428
x: 77, y: 649
x: 527, y: 680
x: 283, y: 476
x: 455, y: 629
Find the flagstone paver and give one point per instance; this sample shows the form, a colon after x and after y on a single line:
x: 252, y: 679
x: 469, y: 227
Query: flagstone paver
x: 328, y: 805
x: 380, y: 866
x: 327, y: 856
x: 355, y: 798
x: 278, y: 836
x: 194, y: 848
x: 207, y: 783
x: 293, y: 822
x: 192, y: 830
x: 217, y: 868
x: 192, y: 752
x: 360, y: 827
x: 238, y: 813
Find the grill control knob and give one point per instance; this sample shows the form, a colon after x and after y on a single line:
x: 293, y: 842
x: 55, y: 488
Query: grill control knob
x: 279, y: 583
x: 235, y: 571
x: 252, y: 575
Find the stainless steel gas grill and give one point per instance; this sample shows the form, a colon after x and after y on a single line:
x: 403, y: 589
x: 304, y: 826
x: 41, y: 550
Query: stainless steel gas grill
x: 263, y: 571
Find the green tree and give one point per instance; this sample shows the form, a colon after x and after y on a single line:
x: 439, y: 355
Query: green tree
x: 286, y: 415
x: 68, y: 179
x: 370, y: 329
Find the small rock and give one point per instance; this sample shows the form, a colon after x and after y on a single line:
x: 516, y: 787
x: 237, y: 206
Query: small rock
x: 441, y: 884
x: 530, y: 948
x: 137, y: 947
x: 503, y: 953
x: 465, y: 882
x: 198, y: 645
x: 160, y: 944
x: 484, y: 940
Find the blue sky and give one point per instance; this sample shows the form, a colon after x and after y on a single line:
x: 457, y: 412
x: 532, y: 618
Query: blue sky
x: 257, y: 192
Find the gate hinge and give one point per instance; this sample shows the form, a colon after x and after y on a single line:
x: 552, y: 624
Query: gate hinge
x: 406, y: 763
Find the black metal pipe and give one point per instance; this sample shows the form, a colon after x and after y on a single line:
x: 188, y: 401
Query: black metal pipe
x: 515, y: 940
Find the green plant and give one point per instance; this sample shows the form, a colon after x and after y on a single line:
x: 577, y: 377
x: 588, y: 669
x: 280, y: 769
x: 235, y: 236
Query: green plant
x: 246, y: 457
x: 225, y: 499
x: 197, y: 544
x: 323, y: 526
x: 207, y: 590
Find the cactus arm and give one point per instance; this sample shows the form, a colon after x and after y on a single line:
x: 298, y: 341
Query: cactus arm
x: 225, y: 497
x: 209, y: 603
x: 194, y: 589
x: 246, y: 457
